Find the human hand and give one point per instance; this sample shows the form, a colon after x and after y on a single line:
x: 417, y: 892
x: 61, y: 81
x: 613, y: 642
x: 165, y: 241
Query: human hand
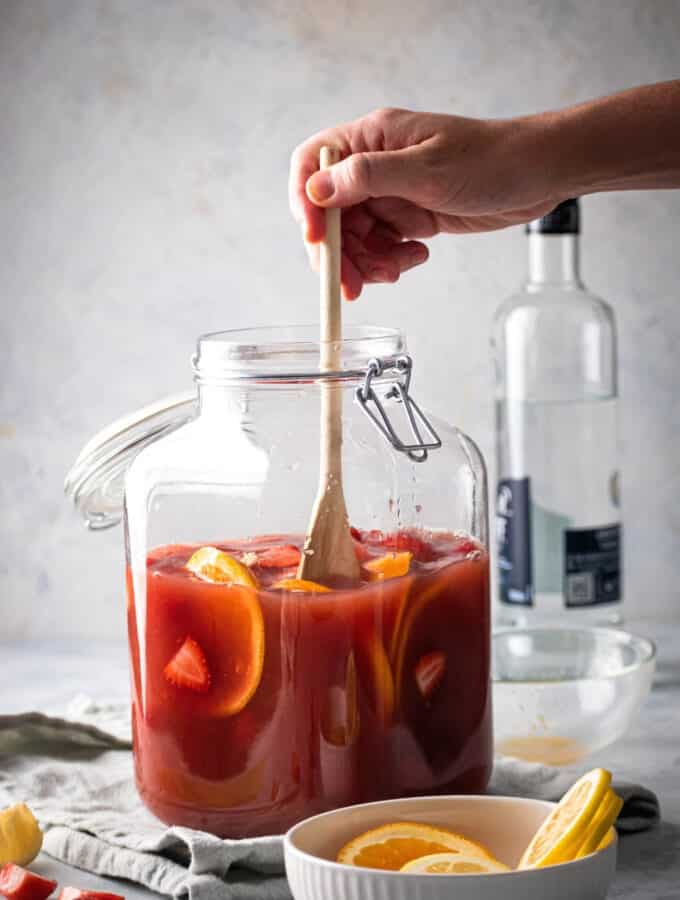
x: 405, y: 176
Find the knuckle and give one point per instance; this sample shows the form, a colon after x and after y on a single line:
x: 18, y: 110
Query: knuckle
x: 358, y: 170
x: 386, y: 114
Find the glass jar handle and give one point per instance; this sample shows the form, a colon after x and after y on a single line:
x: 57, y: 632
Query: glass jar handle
x: 370, y: 403
x: 96, y: 481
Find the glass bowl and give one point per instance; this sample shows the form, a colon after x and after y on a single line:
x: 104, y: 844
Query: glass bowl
x: 560, y: 694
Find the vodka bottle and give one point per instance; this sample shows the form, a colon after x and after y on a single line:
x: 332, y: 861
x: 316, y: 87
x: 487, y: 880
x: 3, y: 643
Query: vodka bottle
x: 557, y: 501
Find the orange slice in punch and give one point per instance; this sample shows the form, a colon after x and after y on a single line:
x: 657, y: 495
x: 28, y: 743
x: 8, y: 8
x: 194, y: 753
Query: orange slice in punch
x: 214, y: 635
x: 395, y: 845
x: 391, y: 565
x: 375, y: 676
x: 402, y: 633
x: 301, y: 585
x: 212, y: 564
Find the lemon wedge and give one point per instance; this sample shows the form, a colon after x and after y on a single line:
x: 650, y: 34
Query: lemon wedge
x: 563, y: 832
x: 395, y: 845
x: 454, y: 864
x: 20, y: 835
x: 212, y: 564
x: 601, y: 824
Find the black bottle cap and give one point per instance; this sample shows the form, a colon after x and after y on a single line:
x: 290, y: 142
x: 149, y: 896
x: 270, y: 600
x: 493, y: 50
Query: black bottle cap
x: 564, y: 219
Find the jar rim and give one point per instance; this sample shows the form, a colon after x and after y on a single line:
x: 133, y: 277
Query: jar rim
x: 288, y: 352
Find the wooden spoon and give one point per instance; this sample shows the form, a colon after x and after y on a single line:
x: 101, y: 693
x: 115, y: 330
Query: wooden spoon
x: 328, y: 555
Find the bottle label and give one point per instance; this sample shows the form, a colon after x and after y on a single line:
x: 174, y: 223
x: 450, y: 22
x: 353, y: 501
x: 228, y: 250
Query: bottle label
x: 513, y: 536
x: 592, y: 566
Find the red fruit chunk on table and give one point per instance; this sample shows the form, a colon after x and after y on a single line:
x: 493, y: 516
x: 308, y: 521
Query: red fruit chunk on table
x: 17, y: 883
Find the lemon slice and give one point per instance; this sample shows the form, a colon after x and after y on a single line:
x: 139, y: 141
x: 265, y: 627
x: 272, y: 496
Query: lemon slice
x: 20, y: 835
x: 392, y: 846
x: 607, y: 839
x: 454, y: 864
x: 212, y: 564
x: 603, y: 821
x: 562, y: 833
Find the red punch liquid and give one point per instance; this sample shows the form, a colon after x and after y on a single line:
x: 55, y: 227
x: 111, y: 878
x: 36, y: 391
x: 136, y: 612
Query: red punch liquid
x: 254, y: 708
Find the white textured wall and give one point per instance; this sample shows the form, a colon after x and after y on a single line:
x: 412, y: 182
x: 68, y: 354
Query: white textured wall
x: 144, y: 149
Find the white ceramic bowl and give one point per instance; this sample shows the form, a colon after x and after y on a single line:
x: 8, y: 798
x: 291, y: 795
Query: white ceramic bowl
x: 504, y: 824
x: 560, y: 694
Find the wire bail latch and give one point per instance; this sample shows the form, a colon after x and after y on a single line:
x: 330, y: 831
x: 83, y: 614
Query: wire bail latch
x: 373, y: 407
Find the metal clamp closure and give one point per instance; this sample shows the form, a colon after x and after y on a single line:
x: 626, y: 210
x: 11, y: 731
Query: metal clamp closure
x: 370, y: 403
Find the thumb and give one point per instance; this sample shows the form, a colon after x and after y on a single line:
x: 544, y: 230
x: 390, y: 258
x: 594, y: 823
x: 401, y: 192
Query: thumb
x: 389, y: 173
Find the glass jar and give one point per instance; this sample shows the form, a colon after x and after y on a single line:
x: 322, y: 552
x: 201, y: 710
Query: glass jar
x: 258, y: 699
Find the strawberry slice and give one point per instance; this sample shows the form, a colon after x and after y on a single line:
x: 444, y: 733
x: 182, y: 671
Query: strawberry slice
x: 282, y: 557
x: 429, y: 672
x: 465, y: 545
x: 187, y: 669
x: 17, y: 883
x: 71, y: 893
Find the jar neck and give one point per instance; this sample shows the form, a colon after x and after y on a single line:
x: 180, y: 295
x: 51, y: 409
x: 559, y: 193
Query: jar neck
x: 554, y: 261
x: 233, y: 400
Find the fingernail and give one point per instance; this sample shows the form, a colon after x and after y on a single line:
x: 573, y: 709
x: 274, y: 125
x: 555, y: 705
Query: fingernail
x: 320, y: 187
x: 381, y: 275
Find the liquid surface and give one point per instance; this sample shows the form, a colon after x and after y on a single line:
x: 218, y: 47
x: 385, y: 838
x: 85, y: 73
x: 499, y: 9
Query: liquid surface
x: 254, y: 708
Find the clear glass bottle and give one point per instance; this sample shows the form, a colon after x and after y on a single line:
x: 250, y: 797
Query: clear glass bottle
x: 557, y: 502
x: 257, y: 699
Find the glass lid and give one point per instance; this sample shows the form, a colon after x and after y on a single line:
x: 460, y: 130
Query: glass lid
x: 96, y: 481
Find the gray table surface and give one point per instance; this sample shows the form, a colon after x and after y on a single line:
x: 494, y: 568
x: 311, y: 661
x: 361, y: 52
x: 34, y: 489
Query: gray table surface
x: 46, y: 675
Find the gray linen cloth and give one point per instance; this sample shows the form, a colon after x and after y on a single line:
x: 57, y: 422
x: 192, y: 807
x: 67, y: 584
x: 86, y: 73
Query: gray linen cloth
x: 75, y: 772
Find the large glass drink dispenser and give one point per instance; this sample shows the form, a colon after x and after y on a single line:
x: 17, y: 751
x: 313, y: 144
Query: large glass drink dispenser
x: 259, y: 698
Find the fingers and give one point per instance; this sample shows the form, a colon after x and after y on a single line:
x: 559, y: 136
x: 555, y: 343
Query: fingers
x: 304, y: 162
x: 381, y: 154
x: 351, y: 278
x: 377, y: 259
x: 361, y: 176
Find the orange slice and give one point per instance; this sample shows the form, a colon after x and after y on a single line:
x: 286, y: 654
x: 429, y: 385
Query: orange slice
x: 212, y: 564
x: 237, y: 660
x: 301, y: 585
x: 392, y: 846
x: 454, y: 864
x: 402, y: 632
x: 563, y: 832
x: 375, y: 674
x: 391, y: 565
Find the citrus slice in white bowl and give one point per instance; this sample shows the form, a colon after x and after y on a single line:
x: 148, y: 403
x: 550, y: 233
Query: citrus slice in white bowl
x: 560, y: 836
x: 454, y: 864
x: 394, y: 845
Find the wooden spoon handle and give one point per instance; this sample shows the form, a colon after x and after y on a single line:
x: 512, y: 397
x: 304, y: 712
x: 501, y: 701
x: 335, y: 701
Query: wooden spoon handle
x: 329, y: 553
x: 330, y: 257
